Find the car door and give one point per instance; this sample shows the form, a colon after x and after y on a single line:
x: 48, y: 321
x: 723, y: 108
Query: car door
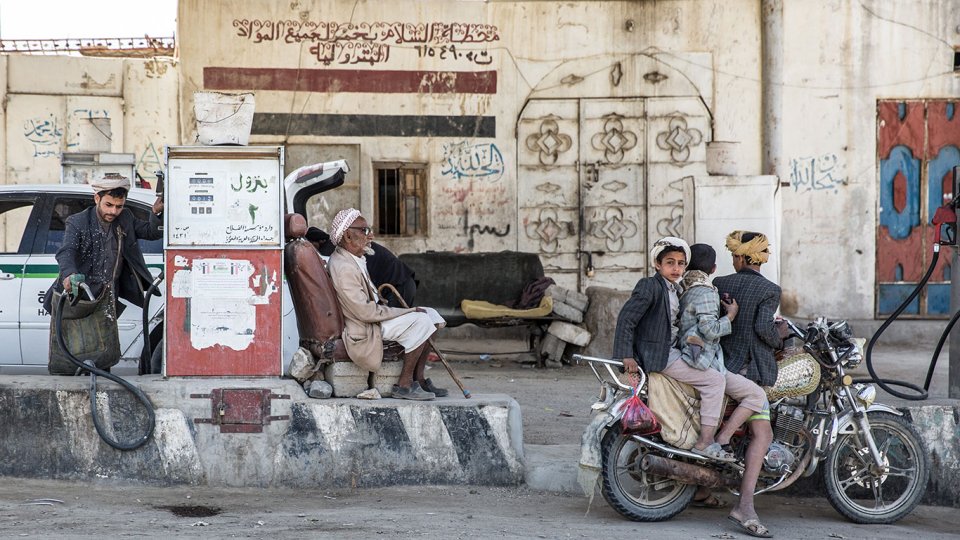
x: 42, y: 269
x: 17, y: 229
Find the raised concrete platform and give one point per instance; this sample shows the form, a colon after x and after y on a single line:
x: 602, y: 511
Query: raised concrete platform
x: 47, y: 432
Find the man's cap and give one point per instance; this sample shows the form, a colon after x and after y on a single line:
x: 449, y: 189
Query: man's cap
x: 110, y: 181
x: 702, y: 257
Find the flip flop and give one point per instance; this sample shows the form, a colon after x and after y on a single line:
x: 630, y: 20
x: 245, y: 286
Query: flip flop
x: 716, y: 452
x: 753, y: 527
x: 710, y: 501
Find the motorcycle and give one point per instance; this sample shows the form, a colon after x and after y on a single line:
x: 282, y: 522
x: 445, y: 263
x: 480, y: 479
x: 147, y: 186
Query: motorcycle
x: 875, y: 465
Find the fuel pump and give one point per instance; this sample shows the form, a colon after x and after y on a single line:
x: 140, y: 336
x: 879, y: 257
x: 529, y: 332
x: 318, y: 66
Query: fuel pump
x: 223, y: 245
x: 945, y: 236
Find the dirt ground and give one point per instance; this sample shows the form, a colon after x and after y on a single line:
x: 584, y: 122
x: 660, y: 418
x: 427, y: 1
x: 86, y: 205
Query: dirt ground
x: 555, y: 403
x: 46, y: 509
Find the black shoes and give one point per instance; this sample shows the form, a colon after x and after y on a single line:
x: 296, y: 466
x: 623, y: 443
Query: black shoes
x: 414, y: 393
x: 429, y: 387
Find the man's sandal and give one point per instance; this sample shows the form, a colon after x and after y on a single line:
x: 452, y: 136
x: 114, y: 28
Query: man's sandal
x: 753, y: 527
x: 715, y: 452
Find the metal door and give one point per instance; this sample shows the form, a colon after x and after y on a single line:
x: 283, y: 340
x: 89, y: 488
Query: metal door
x: 917, y: 147
x: 597, y: 178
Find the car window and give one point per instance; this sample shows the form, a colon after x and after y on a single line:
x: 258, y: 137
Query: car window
x: 143, y: 213
x: 14, y: 215
x: 65, y: 207
x: 62, y: 209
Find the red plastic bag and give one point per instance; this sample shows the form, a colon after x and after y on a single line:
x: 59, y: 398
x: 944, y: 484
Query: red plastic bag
x: 638, y: 418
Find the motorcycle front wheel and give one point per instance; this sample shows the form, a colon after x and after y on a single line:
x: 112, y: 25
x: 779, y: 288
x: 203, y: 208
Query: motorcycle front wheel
x: 866, y: 494
x: 632, y: 492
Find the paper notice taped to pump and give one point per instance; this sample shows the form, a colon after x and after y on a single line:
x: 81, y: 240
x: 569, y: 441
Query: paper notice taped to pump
x: 223, y: 302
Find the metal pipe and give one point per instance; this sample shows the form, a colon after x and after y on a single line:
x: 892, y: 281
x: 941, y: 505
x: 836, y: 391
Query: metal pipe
x: 686, y: 473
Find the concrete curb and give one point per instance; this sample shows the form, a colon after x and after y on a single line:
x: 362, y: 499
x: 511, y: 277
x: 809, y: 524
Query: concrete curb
x: 321, y: 443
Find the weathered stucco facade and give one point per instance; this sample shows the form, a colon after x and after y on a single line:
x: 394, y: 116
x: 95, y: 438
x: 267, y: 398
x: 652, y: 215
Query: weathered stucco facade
x: 571, y: 129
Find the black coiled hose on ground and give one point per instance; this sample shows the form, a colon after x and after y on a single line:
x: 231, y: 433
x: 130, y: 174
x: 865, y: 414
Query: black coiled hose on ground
x: 886, y: 384
x: 94, y: 373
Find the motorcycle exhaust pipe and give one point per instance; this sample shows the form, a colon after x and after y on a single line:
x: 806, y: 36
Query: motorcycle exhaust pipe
x: 686, y: 473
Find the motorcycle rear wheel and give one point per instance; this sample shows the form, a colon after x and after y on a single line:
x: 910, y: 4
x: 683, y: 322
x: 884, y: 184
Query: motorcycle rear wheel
x: 635, y: 494
x: 863, y: 496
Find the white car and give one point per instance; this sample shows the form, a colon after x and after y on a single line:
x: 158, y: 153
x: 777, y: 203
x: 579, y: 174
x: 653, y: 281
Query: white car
x: 34, y: 218
x: 32, y: 223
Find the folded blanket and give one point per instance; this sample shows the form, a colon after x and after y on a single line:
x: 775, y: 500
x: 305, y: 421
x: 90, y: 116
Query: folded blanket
x: 478, y: 309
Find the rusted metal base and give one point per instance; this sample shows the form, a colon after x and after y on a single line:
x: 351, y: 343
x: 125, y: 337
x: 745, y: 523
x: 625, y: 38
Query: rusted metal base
x: 240, y: 410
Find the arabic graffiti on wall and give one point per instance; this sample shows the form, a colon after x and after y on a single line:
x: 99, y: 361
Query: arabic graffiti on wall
x: 464, y: 160
x: 816, y: 173
x: 369, y: 43
x: 45, y: 134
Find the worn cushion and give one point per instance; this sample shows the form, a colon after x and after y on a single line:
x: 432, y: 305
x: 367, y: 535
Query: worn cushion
x: 477, y: 309
x: 294, y: 226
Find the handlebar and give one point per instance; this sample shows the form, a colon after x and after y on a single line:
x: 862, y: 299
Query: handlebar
x: 608, y: 364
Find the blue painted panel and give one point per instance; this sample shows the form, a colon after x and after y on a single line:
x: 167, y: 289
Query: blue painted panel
x: 900, y: 223
x: 891, y: 295
x: 947, y: 159
x: 938, y: 299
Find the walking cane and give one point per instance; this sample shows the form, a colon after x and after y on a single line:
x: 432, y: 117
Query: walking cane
x: 466, y: 393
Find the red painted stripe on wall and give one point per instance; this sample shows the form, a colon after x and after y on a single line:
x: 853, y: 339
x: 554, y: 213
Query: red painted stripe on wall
x: 351, y: 80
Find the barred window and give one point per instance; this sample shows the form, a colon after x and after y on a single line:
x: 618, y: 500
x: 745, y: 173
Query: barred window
x: 401, y: 199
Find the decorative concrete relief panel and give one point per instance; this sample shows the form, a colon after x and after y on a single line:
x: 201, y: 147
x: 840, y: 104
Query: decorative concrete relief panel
x: 604, y: 185
x: 548, y: 230
x: 548, y: 186
x: 613, y: 229
x: 548, y: 140
x: 548, y: 133
x: 678, y: 131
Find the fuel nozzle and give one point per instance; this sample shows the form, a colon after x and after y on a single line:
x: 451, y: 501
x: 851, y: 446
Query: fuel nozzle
x: 945, y: 223
x: 78, y: 282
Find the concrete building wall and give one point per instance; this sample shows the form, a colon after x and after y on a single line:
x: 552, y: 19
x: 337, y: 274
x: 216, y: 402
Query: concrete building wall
x: 840, y: 59
x: 451, y: 93
x: 458, y: 86
x: 50, y: 100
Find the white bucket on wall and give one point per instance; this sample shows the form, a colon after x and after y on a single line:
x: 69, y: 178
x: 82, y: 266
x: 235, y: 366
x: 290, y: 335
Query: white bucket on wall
x: 223, y: 118
x: 723, y: 158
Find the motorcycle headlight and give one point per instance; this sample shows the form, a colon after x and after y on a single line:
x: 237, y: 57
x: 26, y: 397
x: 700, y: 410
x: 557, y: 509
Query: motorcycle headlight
x: 866, y: 393
x: 856, y: 355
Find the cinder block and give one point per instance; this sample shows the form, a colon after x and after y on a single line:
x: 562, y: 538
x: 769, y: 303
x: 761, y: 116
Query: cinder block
x: 577, y: 300
x: 558, y: 293
x: 569, y: 333
x: 551, y: 348
x: 574, y: 299
x: 562, y: 309
x: 348, y: 379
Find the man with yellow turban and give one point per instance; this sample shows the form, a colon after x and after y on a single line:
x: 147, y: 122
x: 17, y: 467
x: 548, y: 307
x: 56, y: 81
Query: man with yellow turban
x: 749, y: 351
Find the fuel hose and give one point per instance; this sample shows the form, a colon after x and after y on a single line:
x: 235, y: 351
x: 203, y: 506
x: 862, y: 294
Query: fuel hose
x: 95, y: 372
x: 887, y: 384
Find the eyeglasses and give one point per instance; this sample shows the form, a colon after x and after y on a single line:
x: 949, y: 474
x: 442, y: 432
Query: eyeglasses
x: 365, y: 230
